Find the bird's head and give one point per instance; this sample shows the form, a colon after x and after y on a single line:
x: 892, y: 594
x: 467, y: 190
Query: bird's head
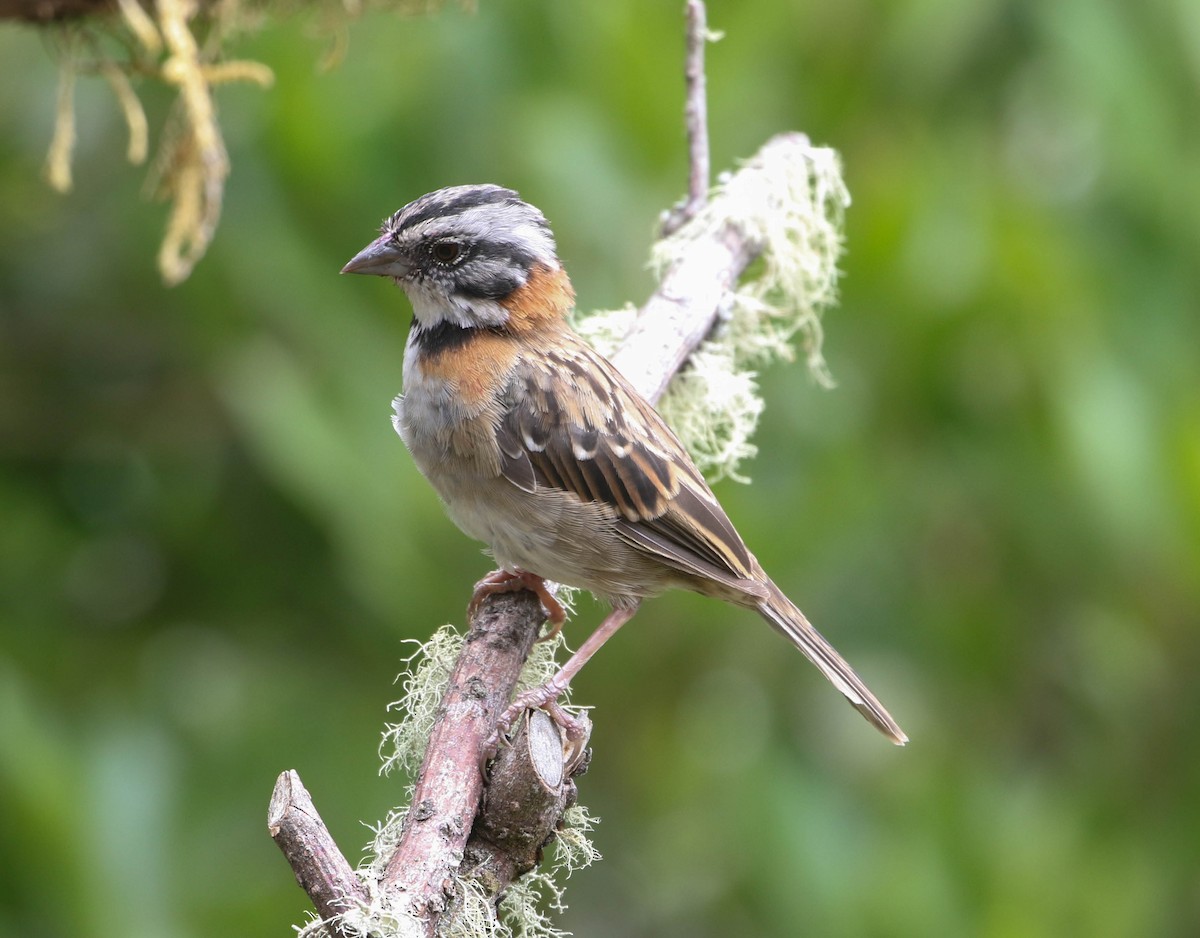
x: 472, y: 257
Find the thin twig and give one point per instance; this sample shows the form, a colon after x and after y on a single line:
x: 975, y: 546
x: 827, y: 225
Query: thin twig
x: 695, y: 119
x: 697, y: 106
x: 320, y: 868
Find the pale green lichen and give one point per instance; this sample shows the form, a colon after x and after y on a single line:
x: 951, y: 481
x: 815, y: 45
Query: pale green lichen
x: 790, y: 201
x: 424, y: 680
x: 528, y: 907
x: 604, y: 329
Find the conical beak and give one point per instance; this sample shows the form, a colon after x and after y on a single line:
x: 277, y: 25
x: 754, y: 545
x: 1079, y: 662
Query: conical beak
x: 381, y: 258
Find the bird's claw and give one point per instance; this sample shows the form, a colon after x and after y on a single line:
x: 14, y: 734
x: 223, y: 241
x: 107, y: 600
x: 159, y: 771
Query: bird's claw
x: 575, y: 730
x: 507, y: 581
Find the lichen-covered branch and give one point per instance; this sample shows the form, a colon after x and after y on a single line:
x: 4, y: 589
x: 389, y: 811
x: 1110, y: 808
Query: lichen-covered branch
x: 449, y: 784
x: 523, y: 803
x: 683, y: 310
x: 785, y: 206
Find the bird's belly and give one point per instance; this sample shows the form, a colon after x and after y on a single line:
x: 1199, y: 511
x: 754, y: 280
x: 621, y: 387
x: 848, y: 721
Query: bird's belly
x: 517, y: 534
x: 554, y: 535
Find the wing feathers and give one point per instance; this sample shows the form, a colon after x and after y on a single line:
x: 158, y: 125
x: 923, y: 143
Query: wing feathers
x: 608, y: 445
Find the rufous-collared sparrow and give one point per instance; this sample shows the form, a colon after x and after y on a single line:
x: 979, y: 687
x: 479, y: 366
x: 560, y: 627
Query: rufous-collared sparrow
x: 541, y: 449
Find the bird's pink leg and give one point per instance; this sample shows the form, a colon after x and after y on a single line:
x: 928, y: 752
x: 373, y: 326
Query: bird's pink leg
x: 546, y: 696
x: 504, y: 581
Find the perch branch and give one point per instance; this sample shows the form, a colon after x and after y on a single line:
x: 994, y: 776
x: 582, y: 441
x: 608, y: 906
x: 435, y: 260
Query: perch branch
x: 450, y: 782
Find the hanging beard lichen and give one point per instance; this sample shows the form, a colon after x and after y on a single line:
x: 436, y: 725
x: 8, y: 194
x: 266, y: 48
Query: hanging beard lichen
x: 791, y: 206
x: 179, y: 43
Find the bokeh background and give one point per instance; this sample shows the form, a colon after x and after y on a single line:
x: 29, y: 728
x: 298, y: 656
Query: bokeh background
x: 212, y: 545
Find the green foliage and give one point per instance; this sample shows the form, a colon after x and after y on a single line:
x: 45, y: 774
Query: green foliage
x: 213, y: 545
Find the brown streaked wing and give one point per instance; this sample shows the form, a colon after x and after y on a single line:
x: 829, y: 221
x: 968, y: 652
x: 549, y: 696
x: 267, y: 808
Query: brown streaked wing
x: 618, y: 451
x: 696, y: 523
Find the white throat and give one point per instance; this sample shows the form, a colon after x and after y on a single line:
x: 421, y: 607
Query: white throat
x: 431, y: 306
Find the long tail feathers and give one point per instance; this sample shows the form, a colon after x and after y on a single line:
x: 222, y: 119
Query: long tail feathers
x: 783, y: 615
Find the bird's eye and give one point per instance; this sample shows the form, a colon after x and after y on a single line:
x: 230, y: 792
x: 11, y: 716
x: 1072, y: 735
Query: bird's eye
x: 446, y: 252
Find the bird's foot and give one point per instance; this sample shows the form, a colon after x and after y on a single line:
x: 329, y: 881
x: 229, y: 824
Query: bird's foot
x: 506, y: 581
x: 575, y: 731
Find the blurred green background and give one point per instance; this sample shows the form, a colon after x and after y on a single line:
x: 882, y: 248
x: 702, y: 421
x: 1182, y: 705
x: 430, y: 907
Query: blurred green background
x: 212, y: 545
